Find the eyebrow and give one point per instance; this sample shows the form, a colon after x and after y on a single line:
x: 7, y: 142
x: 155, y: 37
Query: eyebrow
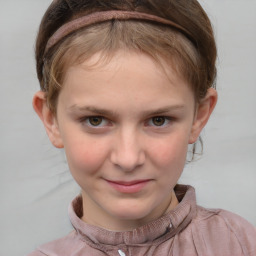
x: 162, y: 111
x: 106, y: 112
x: 92, y: 109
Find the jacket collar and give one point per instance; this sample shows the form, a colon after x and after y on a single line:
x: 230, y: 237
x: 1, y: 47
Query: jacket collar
x: 154, y: 232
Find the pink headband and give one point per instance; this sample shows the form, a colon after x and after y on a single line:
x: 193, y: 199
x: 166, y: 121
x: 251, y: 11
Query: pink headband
x: 98, y: 17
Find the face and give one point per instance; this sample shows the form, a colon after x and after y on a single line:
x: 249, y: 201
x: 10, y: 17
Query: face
x: 125, y: 127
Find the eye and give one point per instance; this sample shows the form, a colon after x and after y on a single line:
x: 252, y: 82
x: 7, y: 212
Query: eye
x: 159, y: 121
x: 95, y: 121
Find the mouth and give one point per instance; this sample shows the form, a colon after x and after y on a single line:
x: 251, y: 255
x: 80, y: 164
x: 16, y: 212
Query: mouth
x: 129, y: 187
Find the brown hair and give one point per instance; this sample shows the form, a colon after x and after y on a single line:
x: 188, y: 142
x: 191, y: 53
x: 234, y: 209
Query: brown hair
x: 191, y: 50
x: 193, y: 57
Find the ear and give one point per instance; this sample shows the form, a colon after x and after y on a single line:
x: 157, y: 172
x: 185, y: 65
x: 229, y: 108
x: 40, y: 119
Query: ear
x: 48, y: 118
x: 203, y: 113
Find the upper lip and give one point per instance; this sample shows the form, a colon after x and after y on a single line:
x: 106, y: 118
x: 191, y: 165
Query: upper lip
x: 128, y: 183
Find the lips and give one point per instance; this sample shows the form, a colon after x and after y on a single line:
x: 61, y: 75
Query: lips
x: 129, y: 186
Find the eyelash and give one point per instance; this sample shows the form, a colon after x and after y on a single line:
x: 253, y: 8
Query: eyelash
x: 166, y: 120
x: 107, y: 122
x: 86, y: 120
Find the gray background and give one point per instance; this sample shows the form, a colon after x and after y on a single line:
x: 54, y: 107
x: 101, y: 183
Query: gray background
x: 36, y: 186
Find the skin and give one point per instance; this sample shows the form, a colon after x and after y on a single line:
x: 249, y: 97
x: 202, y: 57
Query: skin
x: 126, y: 121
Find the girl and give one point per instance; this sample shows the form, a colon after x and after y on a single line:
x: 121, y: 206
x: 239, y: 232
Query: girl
x: 126, y: 86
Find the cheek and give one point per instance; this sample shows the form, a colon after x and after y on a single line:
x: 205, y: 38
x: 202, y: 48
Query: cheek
x: 85, y: 156
x: 171, y: 152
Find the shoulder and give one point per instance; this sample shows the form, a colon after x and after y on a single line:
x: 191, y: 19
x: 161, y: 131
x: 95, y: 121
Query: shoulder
x: 61, y: 247
x: 226, y: 220
x: 225, y: 229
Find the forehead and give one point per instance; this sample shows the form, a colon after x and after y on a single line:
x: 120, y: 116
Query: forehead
x: 125, y: 65
x: 109, y: 63
x: 128, y: 78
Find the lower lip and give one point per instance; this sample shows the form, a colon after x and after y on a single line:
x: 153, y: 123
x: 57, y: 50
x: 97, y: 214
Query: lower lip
x: 129, y: 189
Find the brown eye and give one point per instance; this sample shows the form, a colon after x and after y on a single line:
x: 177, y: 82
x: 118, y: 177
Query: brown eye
x: 158, y: 121
x: 95, y: 120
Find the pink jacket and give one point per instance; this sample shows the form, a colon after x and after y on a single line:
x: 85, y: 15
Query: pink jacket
x: 188, y: 230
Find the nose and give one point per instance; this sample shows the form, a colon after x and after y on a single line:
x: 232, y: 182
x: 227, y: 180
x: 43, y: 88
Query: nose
x: 127, y: 152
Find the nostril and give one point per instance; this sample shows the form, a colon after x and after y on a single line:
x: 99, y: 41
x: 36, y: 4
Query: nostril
x: 128, y: 162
